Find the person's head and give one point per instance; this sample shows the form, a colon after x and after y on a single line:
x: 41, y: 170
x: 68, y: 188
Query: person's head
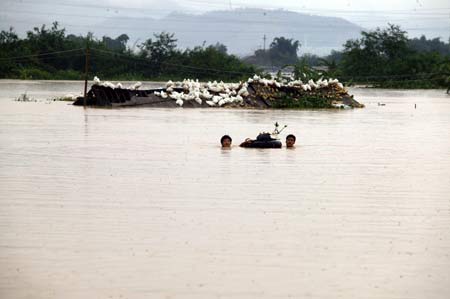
x: 225, y: 141
x: 290, y: 140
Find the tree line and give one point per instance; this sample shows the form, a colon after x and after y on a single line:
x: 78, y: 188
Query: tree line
x: 383, y: 57
x: 49, y: 53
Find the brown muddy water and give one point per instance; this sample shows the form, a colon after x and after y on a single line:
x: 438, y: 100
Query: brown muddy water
x: 143, y: 203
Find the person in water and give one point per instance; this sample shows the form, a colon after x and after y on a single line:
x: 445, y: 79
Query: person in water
x: 290, y: 141
x: 226, y: 141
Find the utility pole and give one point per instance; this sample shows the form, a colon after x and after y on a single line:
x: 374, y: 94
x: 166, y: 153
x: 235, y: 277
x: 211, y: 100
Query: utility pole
x: 264, y: 38
x: 86, y: 70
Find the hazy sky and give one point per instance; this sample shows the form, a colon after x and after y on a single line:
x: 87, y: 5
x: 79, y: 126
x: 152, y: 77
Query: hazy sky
x: 430, y: 17
x: 286, y: 4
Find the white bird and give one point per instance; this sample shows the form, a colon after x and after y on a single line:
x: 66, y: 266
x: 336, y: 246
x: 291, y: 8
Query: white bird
x: 216, y: 89
x: 175, y: 95
x: 109, y: 84
x: 169, y: 83
x: 210, y: 103
x: 179, y: 102
x: 324, y: 83
x: 206, y: 95
x: 312, y: 84
x: 243, y: 92
x: 331, y: 81
x: 96, y: 81
x: 135, y: 86
x: 306, y: 87
x: 216, y: 99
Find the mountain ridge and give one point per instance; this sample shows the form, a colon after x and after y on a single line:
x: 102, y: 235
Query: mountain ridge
x: 243, y: 30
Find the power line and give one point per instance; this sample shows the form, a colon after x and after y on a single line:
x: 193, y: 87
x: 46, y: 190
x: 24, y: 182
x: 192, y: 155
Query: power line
x: 425, y: 11
x: 42, y: 54
x: 142, y: 61
x: 145, y: 61
x: 203, y: 18
x: 323, y: 28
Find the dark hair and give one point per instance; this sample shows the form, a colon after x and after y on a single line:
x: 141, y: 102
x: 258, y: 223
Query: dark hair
x: 225, y: 137
x: 290, y: 136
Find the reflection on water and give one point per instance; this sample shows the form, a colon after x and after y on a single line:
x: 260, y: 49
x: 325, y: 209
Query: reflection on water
x: 143, y: 203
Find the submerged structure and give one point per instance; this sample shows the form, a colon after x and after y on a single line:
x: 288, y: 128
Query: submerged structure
x: 256, y: 92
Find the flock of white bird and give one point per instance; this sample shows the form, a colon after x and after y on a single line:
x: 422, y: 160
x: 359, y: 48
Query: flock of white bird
x: 220, y: 93
x: 119, y: 85
x: 212, y: 93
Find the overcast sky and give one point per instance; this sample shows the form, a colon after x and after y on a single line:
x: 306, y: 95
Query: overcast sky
x: 430, y: 17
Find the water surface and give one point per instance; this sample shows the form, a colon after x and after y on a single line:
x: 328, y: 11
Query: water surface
x: 143, y: 203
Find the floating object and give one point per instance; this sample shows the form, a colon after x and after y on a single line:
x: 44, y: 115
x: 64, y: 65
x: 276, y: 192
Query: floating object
x: 265, y: 140
x: 256, y: 92
x: 25, y: 98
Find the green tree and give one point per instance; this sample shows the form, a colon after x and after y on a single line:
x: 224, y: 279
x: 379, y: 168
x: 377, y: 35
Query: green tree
x: 158, y: 50
x: 283, y: 51
x: 377, y: 52
x: 423, y: 44
x: 117, y: 44
x: 220, y: 47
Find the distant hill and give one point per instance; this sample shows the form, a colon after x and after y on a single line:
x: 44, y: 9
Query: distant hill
x: 242, y: 30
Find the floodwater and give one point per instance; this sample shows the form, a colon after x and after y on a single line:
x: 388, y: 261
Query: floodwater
x: 143, y: 203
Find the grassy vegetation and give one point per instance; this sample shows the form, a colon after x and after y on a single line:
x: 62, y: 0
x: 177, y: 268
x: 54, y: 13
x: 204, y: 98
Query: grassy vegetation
x: 305, y: 101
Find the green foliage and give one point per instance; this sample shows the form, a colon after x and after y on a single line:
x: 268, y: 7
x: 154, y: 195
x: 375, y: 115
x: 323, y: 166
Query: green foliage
x: 310, y: 59
x: 302, y: 71
x: 383, y: 58
x: 282, y: 51
x: 158, y: 51
x: 221, y: 48
x: 376, y: 52
x: 118, y: 44
x: 51, y: 54
x: 206, y: 63
x: 34, y: 73
x: 305, y: 101
x: 386, y: 58
x: 423, y: 44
